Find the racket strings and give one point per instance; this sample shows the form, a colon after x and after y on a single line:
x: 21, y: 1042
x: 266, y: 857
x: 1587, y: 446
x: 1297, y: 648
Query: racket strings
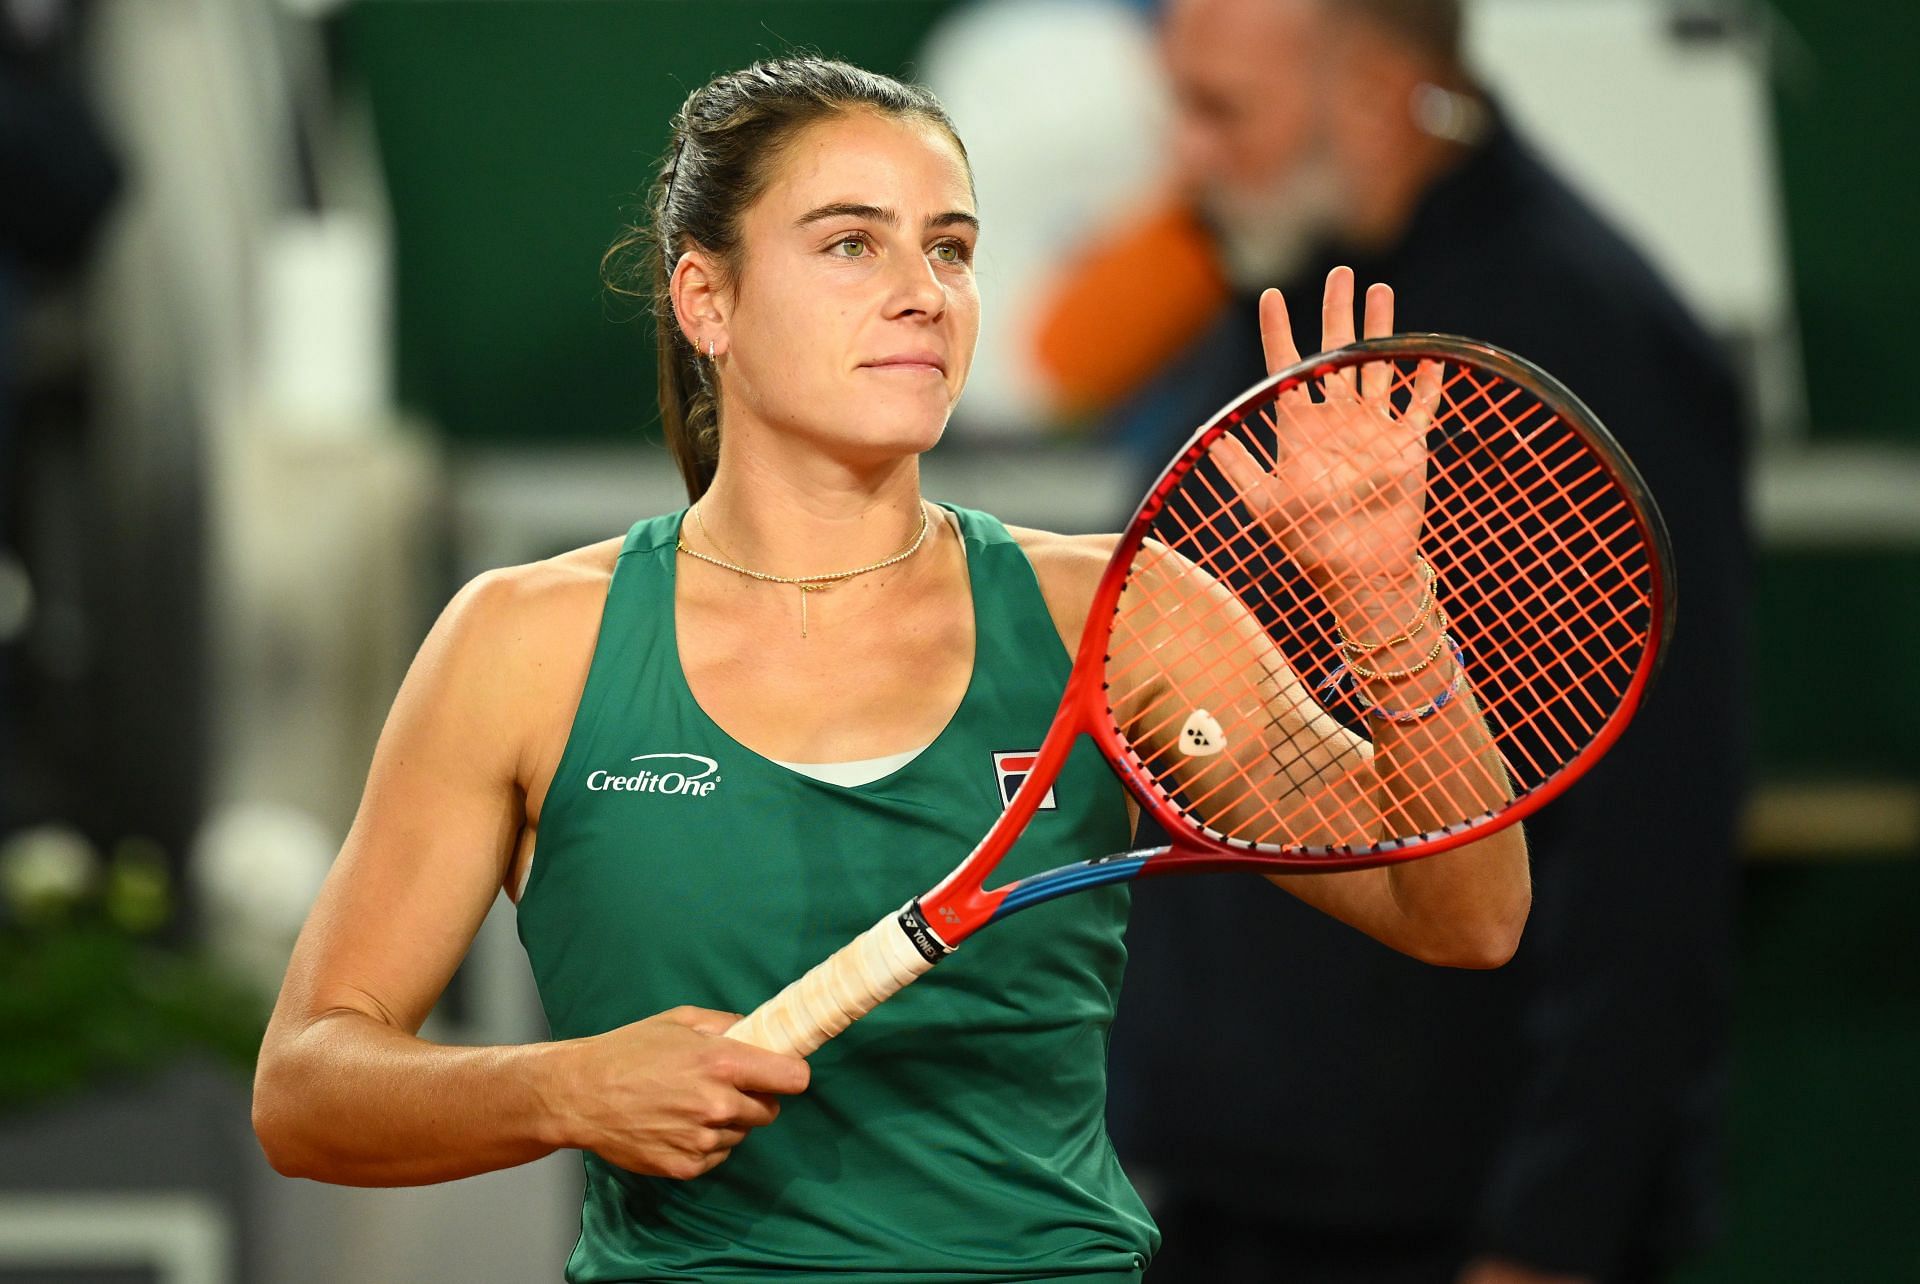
x: 1546, y: 470
x: 1157, y: 720
x: 1572, y: 627
x: 1226, y: 676
x: 1524, y: 496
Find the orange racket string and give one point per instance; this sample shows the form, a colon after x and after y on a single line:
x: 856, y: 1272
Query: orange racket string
x: 1190, y: 540
x: 1617, y: 648
x: 1254, y: 788
x: 1220, y: 605
x: 1543, y: 603
x: 1533, y: 543
x: 1511, y: 503
x: 1186, y: 691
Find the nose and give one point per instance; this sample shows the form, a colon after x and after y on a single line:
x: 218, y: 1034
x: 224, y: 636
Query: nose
x: 916, y: 289
x: 1195, y: 150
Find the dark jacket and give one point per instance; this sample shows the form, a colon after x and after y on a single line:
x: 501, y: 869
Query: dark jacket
x: 1563, y: 1110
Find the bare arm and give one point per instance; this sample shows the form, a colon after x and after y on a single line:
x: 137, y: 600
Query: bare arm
x: 1309, y: 781
x: 346, y: 1091
x: 1346, y: 505
x: 1464, y: 908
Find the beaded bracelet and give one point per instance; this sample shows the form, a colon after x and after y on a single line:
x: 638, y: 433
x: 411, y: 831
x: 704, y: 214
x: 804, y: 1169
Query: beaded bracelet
x: 1352, y: 671
x: 1359, y: 670
x: 1333, y: 681
x: 1419, y: 621
x: 1425, y: 711
x: 1439, y: 702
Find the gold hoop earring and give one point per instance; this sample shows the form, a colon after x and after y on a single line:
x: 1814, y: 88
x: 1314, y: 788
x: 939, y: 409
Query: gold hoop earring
x: 709, y: 349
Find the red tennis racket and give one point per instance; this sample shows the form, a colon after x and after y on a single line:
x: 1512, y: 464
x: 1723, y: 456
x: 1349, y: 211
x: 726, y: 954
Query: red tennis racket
x: 1388, y: 601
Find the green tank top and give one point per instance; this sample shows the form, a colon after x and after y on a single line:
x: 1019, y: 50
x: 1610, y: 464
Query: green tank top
x: 954, y: 1136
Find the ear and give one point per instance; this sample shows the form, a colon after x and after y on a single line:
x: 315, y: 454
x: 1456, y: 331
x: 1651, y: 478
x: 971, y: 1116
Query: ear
x: 699, y: 305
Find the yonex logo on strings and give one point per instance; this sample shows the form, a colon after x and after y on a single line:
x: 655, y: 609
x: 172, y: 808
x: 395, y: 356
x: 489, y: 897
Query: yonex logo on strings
x: 686, y: 780
x: 1202, y: 736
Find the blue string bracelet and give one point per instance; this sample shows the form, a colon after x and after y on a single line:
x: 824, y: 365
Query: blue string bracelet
x: 1343, y: 673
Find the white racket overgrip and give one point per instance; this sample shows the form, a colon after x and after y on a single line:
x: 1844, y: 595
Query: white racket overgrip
x: 853, y: 981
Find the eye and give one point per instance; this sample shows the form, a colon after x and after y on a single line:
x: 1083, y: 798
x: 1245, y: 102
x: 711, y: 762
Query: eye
x: 953, y: 252
x: 858, y: 243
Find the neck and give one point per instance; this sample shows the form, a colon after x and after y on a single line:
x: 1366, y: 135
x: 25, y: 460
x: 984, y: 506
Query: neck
x: 1391, y: 194
x: 784, y: 511
x: 1387, y: 190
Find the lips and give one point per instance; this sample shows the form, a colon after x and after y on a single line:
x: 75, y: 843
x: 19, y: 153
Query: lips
x: 909, y: 361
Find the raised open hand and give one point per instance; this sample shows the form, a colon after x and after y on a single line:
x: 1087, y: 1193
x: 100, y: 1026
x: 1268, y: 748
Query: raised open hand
x: 1345, y: 493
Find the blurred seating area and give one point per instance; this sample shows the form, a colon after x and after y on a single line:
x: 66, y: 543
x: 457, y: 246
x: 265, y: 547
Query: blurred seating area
x: 323, y: 336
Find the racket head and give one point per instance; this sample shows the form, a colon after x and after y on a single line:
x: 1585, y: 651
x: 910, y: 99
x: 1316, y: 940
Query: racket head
x: 1553, y: 563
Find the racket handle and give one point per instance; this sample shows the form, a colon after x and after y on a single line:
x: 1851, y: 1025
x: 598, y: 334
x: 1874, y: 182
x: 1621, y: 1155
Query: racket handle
x: 853, y: 981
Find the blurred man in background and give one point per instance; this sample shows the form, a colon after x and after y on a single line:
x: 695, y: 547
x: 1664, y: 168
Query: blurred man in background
x: 1374, y: 1120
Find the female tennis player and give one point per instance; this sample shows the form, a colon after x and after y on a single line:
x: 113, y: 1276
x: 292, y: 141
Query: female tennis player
x: 705, y: 754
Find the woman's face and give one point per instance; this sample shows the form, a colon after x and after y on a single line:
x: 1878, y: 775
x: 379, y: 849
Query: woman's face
x: 852, y: 321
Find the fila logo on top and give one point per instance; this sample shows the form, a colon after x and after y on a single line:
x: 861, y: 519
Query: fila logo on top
x: 1011, y: 769
x: 689, y: 773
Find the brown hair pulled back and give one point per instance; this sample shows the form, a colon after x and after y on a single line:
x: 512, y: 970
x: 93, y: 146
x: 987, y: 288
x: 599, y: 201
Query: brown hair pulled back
x: 727, y: 142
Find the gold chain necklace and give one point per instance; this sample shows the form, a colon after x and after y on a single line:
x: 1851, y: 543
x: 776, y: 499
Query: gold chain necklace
x: 805, y: 583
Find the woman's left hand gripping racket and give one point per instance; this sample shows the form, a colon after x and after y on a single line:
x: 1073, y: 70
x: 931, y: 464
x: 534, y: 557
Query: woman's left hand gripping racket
x: 1389, y: 601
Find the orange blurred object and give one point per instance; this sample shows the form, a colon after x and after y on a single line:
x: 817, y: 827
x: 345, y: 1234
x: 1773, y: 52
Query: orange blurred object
x: 1126, y: 307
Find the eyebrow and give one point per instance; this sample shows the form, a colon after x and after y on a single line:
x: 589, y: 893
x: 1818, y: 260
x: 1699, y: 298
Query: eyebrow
x: 874, y: 213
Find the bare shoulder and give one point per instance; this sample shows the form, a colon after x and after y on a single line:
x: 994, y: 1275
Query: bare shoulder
x: 527, y: 607
x: 514, y: 644
x: 1072, y: 556
x: 552, y: 580
x: 1069, y: 569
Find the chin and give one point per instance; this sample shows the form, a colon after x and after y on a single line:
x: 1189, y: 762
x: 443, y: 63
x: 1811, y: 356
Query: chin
x: 916, y: 439
x: 881, y: 441
x: 899, y: 424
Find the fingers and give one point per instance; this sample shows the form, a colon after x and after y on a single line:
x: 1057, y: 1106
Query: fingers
x: 694, y: 1163
x: 1276, y: 340
x: 1276, y: 332
x: 730, y: 1116
x: 1243, y: 472
x: 705, y: 1020
x: 672, y: 1096
x: 1336, y: 310
x: 1379, y: 311
x: 758, y: 1110
x: 726, y: 1123
x: 1376, y: 377
x: 752, y: 1069
x: 723, y: 1138
x: 746, y: 1067
x: 1336, y: 327
x: 1429, y: 378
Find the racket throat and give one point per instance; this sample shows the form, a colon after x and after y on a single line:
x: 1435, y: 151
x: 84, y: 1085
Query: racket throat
x: 913, y: 920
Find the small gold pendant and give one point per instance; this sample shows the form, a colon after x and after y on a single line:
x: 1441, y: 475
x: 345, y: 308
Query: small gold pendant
x: 804, y: 590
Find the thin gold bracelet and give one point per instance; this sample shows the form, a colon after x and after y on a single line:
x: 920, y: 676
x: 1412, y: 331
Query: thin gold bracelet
x: 1420, y: 615
x: 1439, y: 645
